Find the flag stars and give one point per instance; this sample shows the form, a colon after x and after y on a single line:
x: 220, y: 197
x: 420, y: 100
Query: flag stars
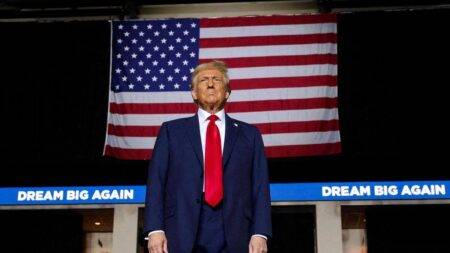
x: 184, y: 78
x: 134, y: 56
x: 141, y: 34
x: 163, y: 41
x: 117, y: 87
x: 156, y: 48
x: 124, y: 78
x: 186, y: 32
x: 191, y: 70
x: 126, y: 48
x: 119, y: 41
x: 131, y: 86
x: 178, y: 40
x: 185, y: 47
x: 119, y: 56
x: 193, y: 40
x: 170, y: 63
x: 141, y: 63
x: 135, y: 27
x: 193, y: 25
x: 125, y: 63
x: 149, y: 56
x: 192, y: 54
x: 154, y: 78
x: 126, y: 34
x: 185, y: 62
x: 139, y: 78
x: 163, y: 55
x: 161, y: 86
x: 176, y: 86
x: 147, y: 71
x: 169, y: 78
x: 149, y: 26
x: 171, y: 48
x: 120, y: 27
x: 171, y: 33
x: 148, y: 41
x: 163, y: 26
x: 132, y: 70
x: 118, y: 71
x: 147, y: 86
x: 178, y: 25
x: 156, y: 33
x: 141, y: 48
x: 161, y: 71
x: 155, y: 63
x: 134, y: 41
x: 177, y: 70
x: 178, y: 55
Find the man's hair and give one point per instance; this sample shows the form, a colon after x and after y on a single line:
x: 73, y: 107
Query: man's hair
x: 215, y: 64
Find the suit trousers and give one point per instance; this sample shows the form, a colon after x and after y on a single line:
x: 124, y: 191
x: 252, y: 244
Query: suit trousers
x: 210, y: 234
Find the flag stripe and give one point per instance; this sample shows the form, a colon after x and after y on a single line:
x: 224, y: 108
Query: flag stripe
x: 261, y: 51
x: 267, y: 30
x: 244, y: 106
x: 269, y: 40
x: 303, y: 150
x: 306, y: 138
x: 280, y: 82
x: 249, y: 117
x: 279, y: 60
x: 267, y: 20
x: 282, y: 71
x: 265, y: 128
x: 236, y: 96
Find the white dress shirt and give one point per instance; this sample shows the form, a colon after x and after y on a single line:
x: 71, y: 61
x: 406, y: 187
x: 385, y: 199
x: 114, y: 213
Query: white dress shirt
x: 203, y: 122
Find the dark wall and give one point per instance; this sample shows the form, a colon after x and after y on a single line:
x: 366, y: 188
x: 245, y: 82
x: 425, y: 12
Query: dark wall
x: 392, y: 95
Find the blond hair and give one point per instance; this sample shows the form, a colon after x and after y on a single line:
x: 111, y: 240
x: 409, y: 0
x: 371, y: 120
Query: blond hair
x: 215, y: 64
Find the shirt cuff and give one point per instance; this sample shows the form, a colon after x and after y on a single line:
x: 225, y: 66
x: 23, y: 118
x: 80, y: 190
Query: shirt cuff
x: 153, y: 232
x: 262, y: 236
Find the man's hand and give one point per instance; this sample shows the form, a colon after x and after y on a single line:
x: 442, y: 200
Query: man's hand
x: 157, y: 243
x: 257, y: 245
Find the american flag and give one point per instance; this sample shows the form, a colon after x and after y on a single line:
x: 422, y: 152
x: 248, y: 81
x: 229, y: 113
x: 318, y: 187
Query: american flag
x: 283, y: 76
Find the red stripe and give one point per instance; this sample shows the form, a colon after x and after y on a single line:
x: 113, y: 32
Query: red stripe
x: 297, y: 127
x: 278, y: 60
x: 272, y: 20
x: 276, y: 151
x: 268, y: 40
x: 265, y: 128
x: 128, y: 154
x: 133, y: 131
x: 283, y: 82
x: 303, y: 150
x: 244, y: 106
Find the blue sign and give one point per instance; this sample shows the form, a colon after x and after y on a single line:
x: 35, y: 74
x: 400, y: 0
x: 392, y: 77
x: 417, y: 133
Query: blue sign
x: 351, y: 191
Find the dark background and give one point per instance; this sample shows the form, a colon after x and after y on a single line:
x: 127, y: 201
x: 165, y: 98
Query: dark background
x: 393, y: 78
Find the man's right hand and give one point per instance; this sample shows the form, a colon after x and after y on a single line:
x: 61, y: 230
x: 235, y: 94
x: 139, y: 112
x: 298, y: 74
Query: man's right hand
x: 157, y: 243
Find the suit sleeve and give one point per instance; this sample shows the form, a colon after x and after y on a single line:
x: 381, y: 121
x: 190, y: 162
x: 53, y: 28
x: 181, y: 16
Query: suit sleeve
x: 157, y: 174
x: 262, y: 223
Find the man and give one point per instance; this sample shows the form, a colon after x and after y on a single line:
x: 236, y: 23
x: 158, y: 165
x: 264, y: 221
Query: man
x: 208, y: 188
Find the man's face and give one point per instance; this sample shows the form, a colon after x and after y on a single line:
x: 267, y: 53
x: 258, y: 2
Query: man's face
x: 210, y: 90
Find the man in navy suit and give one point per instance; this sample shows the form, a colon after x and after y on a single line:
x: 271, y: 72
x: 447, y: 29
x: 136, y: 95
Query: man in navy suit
x: 208, y: 187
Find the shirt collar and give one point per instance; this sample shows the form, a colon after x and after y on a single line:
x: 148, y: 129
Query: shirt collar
x: 203, y: 115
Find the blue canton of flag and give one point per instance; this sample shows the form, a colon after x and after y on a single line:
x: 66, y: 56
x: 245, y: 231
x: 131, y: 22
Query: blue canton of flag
x: 154, y: 56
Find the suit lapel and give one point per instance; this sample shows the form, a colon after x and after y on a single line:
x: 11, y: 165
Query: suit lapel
x: 231, y: 133
x: 193, y: 133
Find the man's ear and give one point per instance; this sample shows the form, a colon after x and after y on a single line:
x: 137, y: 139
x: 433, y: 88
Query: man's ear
x: 194, y: 94
x: 227, y: 94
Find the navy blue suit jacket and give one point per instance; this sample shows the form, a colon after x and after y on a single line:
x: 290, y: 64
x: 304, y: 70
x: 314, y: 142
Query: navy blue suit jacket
x: 175, y: 185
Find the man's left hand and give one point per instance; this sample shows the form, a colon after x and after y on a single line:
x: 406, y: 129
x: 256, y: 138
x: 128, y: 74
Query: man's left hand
x: 257, y: 245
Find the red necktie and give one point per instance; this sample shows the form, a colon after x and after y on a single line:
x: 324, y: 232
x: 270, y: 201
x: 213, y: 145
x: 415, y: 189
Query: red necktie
x: 213, y: 164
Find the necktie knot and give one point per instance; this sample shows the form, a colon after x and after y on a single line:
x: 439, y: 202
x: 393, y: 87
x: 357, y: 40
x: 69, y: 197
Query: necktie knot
x: 213, y: 118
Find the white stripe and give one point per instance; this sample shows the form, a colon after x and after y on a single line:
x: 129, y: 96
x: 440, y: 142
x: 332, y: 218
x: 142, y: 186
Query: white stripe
x: 283, y: 71
x: 283, y: 93
x: 266, y: 30
x: 269, y: 140
x: 301, y: 138
x: 151, y: 97
x: 131, y: 142
x: 249, y: 117
x: 274, y: 50
x: 236, y: 96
